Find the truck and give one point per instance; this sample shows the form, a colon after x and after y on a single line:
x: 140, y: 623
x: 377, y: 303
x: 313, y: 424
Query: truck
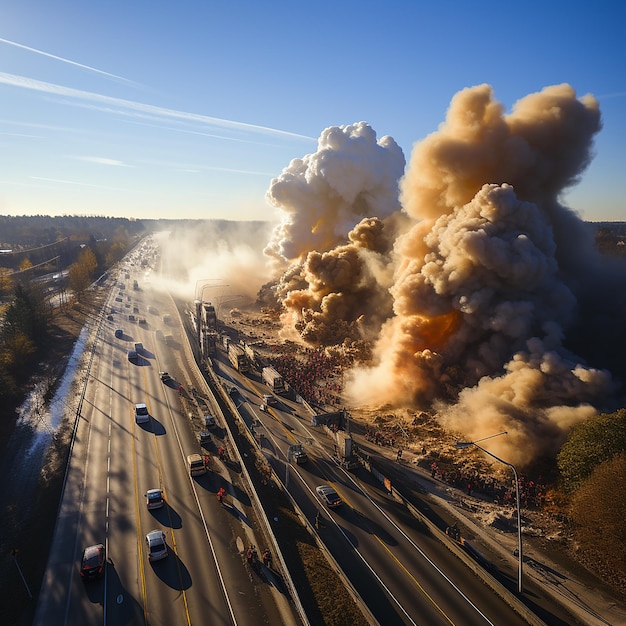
x: 209, y: 318
x: 273, y: 379
x: 344, y: 450
x: 196, y: 464
x: 238, y: 358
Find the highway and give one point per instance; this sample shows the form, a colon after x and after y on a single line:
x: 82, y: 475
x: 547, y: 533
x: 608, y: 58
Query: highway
x: 115, y: 460
x: 402, y: 573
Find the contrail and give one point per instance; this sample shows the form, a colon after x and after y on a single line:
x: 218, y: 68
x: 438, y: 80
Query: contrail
x: 70, y: 92
x: 54, y: 56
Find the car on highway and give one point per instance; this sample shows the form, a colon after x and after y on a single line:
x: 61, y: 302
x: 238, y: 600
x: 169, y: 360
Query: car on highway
x: 329, y: 496
x: 269, y: 399
x: 141, y: 413
x: 92, y: 562
x: 209, y: 421
x: 299, y: 454
x: 154, y: 499
x: 157, y: 548
x: 204, y: 438
x: 165, y: 377
x: 196, y: 464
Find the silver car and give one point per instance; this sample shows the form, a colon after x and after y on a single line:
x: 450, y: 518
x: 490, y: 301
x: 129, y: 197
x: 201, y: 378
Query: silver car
x: 329, y: 496
x: 157, y: 548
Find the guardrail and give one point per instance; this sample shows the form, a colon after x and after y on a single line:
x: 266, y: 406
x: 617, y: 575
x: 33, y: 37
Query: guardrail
x: 453, y: 546
x: 260, y: 511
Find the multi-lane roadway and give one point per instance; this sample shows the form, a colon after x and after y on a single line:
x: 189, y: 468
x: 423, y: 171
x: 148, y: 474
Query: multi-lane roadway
x: 115, y: 460
x: 402, y: 573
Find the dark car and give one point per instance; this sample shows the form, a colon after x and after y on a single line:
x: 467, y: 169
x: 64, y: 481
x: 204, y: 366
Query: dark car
x: 329, y: 496
x: 92, y: 563
x: 299, y: 455
x: 154, y: 499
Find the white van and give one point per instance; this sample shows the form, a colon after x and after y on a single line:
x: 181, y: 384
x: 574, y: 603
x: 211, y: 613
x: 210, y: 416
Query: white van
x: 196, y: 465
x: 141, y: 413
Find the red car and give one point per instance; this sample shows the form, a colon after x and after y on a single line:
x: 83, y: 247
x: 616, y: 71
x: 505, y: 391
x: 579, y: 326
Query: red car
x: 92, y: 563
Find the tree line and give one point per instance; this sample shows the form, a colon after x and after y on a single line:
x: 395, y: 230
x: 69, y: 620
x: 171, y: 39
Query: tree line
x: 29, y: 298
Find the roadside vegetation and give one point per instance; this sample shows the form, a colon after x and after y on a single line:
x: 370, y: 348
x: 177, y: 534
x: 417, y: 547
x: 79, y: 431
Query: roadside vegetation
x: 36, y: 337
x: 592, y: 466
x: 41, y: 316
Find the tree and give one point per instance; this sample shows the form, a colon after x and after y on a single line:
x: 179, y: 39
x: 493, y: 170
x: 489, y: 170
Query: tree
x: 598, y: 511
x: 27, y: 314
x: 81, y: 272
x: 589, y: 444
x: 18, y: 349
x: 25, y: 264
x: 6, y: 281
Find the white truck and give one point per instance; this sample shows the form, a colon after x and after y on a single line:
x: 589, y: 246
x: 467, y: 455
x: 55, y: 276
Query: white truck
x: 238, y: 358
x: 273, y: 379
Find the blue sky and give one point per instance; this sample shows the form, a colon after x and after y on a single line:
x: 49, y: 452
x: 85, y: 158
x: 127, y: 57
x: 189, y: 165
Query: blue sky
x: 189, y: 109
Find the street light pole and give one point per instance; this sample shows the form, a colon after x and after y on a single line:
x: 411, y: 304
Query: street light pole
x: 466, y: 444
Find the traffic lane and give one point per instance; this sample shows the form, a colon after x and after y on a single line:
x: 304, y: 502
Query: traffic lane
x: 214, y: 557
x: 231, y: 529
x: 198, y: 581
x: 86, y: 493
x: 360, y: 575
x: 127, y: 601
x: 86, y: 598
x: 460, y: 575
x: 398, y: 563
x: 163, y: 583
x: 444, y: 580
x: 374, y: 545
x: 489, y: 603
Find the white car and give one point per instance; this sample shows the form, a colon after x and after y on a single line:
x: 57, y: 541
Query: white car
x: 154, y: 499
x: 157, y: 548
x: 329, y: 496
x: 141, y: 413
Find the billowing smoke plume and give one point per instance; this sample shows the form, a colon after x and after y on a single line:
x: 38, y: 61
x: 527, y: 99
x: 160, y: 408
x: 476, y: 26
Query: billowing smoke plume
x: 324, y: 195
x: 341, y: 207
x: 343, y: 294
x: 490, y: 275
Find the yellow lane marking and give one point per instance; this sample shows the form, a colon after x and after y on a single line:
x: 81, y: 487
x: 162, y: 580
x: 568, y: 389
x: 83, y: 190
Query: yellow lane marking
x: 142, y: 574
x: 162, y: 487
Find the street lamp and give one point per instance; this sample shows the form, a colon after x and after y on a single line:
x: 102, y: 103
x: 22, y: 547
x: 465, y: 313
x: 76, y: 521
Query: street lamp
x: 461, y: 445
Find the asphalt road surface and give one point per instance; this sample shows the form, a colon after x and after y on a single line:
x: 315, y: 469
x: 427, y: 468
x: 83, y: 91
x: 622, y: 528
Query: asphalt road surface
x: 114, y: 461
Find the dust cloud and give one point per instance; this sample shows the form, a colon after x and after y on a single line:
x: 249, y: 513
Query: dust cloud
x: 465, y: 272
x: 218, y: 261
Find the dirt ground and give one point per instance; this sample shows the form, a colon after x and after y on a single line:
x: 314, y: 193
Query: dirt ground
x: 418, y: 434
x: 424, y: 442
